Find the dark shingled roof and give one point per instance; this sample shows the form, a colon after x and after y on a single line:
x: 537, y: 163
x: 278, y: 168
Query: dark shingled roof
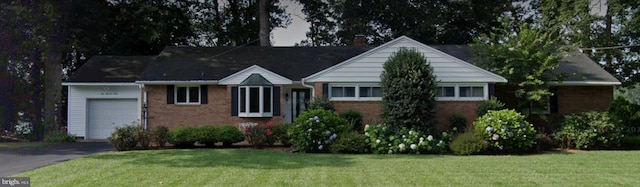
x: 111, y: 69
x: 576, y: 66
x: 215, y: 63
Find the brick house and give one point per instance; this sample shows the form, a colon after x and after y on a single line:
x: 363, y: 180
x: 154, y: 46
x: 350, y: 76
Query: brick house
x: 238, y: 85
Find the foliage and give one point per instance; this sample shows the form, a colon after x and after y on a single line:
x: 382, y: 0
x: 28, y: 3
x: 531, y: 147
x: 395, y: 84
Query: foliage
x: 159, y: 135
x: 544, y: 142
x: 525, y: 57
x: 457, y: 123
x: 385, y: 140
x: 143, y: 137
x: 354, y: 117
x: 183, y: 137
x: 321, y: 103
x: 59, y: 136
x: 208, y: 135
x: 280, y: 133
x: 630, y: 142
x: 588, y: 130
x: 350, y: 142
x: 261, y: 135
x: 124, y: 138
x: 408, y: 92
x: 430, y: 22
x: 506, y: 131
x: 492, y: 104
x: 228, y: 135
x: 315, y: 130
x: 625, y: 115
x: 468, y: 143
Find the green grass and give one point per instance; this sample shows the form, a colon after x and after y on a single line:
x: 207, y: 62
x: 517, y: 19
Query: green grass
x: 22, y: 145
x: 233, y: 167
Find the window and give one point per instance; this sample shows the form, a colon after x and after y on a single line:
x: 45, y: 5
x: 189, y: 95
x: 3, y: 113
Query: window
x: 187, y: 95
x: 461, y: 91
x: 446, y: 91
x: 370, y: 91
x: 355, y: 91
x: 469, y: 91
x: 343, y: 91
x: 255, y: 101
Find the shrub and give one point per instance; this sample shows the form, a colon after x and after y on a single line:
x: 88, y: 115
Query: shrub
x: 354, y: 118
x: 492, y: 104
x: 321, y: 103
x: 159, y: 135
x: 183, y: 137
x: 625, y: 114
x: 261, y: 135
x: 468, y: 143
x: 385, y: 140
x: 408, y: 92
x: 59, y: 136
x: 458, y: 123
x: 280, y: 133
x: 144, y: 138
x: 506, y: 131
x: 350, y: 142
x: 208, y: 135
x: 544, y: 142
x: 630, y: 142
x: 314, y: 130
x: 124, y: 138
x: 588, y: 130
x: 229, y: 135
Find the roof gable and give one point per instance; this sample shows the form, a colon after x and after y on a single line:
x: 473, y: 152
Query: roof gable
x: 368, y: 66
x: 244, y: 74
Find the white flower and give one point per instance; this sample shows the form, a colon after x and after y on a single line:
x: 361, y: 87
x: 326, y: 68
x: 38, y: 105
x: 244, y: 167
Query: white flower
x: 510, y: 134
x: 366, y: 134
x: 495, y: 137
x: 490, y: 118
x: 320, y: 147
x: 500, y: 147
x: 378, y: 141
x: 429, y: 138
x: 413, y: 146
x: 366, y: 127
x: 489, y: 129
x: 401, y: 146
x: 309, y: 130
x: 403, y: 136
x: 389, y: 144
x: 410, y: 132
x: 390, y: 151
x: 421, y: 139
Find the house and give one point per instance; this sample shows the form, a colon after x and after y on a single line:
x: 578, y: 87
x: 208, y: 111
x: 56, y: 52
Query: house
x: 242, y: 85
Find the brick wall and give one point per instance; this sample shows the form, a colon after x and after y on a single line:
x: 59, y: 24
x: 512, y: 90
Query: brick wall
x: 370, y: 109
x: 574, y: 99
x: 216, y: 112
x: 447, y: 108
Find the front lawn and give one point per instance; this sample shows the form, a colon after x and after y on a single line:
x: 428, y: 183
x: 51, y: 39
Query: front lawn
x: 235, y: 167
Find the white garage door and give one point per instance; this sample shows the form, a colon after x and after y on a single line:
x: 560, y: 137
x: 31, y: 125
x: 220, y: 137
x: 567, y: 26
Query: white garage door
x: 106, y: 114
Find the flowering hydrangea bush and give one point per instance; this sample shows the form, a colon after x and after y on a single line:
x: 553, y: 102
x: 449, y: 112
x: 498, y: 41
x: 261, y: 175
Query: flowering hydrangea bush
x: 383, y: 140
x: 506, y: 131
x: 314, y: 130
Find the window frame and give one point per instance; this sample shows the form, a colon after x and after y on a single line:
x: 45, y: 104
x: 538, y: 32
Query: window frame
x: 357, y: 96
x: 457, y: 86
x: 261, y: 101
x: 187, y: 95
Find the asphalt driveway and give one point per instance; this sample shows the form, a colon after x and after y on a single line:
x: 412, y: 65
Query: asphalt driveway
x: 20, y: 160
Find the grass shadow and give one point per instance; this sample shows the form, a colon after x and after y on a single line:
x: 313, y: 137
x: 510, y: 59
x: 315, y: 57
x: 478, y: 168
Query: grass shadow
x: 251, y: 159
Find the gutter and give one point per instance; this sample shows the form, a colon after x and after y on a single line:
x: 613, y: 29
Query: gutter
x: 313, y: 89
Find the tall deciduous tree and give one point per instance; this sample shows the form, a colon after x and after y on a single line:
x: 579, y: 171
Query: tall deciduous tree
x: 408, y: 92
x: 526, y: 58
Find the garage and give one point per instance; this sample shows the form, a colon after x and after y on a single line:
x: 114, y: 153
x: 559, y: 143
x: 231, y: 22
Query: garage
x: 104, y: 115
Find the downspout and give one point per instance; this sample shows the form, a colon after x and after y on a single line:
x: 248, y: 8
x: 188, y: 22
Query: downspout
x: 144, y: 106
x: 313, y: 92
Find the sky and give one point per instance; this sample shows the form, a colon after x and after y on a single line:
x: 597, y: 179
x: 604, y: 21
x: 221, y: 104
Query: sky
x: 295, y: 32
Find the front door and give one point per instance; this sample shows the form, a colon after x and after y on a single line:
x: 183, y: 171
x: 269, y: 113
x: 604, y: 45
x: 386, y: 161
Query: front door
x: 299, y: 101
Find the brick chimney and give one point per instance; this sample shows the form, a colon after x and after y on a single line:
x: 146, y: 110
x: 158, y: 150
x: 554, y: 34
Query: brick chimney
x: 360, y: 40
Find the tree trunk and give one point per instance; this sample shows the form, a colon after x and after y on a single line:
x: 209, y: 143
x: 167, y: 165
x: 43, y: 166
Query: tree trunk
x: 265, y: 31
x: 52, y: 87
x: 608, y: 58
